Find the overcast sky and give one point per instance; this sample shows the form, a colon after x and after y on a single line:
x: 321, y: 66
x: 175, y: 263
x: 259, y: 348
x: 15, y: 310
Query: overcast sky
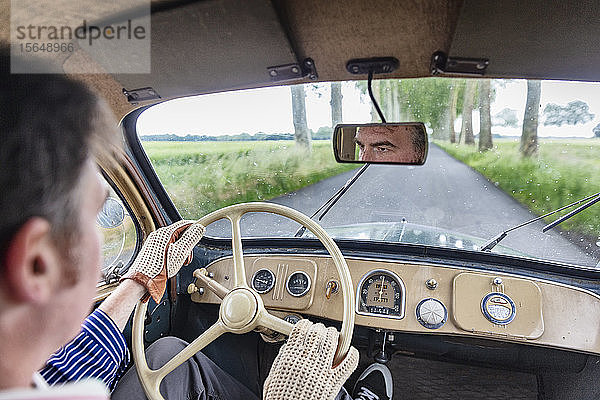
x: 269, y: 110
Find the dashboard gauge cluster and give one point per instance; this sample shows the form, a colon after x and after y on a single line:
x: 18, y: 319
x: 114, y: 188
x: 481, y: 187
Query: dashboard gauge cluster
x: 297, y: 284
x: 381, y: 293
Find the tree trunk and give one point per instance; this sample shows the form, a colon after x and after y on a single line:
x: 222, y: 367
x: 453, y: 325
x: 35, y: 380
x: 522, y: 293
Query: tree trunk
x: 452, y: 113
x: 389, y: 102
x: 374, y: 113
x: 336, y: 103
x: 485, y: 118
x: 529, y: 141
x: 466, y: 130
x: 301, y: 132
x: 395, y: 116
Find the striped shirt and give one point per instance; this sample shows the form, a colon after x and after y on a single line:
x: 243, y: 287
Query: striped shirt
x: 99, y: 351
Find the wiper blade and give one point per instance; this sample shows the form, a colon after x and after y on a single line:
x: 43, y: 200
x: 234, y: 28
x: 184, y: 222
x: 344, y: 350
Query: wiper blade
x: 572, y: 213
x: 333, y: 199
x: 596, y: 197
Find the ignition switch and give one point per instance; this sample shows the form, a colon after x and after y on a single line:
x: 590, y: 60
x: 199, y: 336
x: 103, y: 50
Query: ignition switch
x: 331, y: 288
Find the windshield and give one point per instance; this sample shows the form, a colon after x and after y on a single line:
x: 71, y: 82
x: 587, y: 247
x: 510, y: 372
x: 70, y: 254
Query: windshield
x: 501, y: 153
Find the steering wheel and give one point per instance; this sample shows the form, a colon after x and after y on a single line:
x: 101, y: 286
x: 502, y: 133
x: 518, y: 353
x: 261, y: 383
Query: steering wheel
x: 242, y: 309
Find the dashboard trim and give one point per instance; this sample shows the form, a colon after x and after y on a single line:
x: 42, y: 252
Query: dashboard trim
x: 424, y: 263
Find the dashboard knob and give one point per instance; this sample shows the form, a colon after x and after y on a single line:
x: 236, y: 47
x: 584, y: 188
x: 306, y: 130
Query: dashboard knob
x: 431, y: 284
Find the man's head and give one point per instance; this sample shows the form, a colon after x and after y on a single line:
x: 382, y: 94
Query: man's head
x: 50, y: 129
x: 397, y: 143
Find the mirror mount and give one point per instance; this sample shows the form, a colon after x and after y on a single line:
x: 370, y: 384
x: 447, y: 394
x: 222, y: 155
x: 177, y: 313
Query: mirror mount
x: 371, y: 66
x: 369, y: 86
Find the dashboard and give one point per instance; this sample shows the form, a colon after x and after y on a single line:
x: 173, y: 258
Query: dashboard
x: 422, y: 298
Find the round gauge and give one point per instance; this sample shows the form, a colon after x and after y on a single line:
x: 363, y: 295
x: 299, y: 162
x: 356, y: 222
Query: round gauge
x: 431, y: 313
x: 298, y: 284
x: 498, y: 308
x: 381, y: 293
x: 263, y: 280
x: 292, y: 318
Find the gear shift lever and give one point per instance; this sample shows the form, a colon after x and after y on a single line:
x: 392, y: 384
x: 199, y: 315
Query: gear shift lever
x: 382, y: 356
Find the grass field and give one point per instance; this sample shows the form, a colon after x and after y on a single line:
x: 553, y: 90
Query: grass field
x: 564, y: 171
x: 202, y: 177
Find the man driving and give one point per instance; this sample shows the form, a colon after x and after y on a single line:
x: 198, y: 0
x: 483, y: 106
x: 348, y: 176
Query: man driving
x: 394, y: 144
x: 52, y: 130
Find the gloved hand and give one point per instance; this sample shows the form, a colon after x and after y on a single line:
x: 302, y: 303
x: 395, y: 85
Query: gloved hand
x: 163, y: 254
x: 303, y: 368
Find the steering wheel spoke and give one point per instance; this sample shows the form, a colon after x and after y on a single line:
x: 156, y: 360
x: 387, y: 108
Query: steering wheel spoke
x: 202, y: 275
x: 206, y: 338
x: 268, y: 320
x: 239, y: 270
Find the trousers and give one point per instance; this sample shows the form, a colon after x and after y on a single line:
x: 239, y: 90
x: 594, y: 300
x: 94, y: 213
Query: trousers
x: 199, y: 378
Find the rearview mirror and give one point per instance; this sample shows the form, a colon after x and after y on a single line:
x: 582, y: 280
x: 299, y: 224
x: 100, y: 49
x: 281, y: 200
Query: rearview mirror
x: 399, y: 143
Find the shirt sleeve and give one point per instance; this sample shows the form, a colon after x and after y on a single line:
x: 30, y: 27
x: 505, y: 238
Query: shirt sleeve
x: 99, y: 351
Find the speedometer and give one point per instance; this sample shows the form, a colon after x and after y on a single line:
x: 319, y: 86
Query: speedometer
x: 381, y: 293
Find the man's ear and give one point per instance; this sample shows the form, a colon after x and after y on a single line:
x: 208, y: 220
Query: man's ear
x: 30, y: 263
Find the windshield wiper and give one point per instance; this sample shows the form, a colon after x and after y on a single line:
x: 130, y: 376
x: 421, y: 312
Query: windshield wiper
x: 333, y: 199
x: 594, y: 199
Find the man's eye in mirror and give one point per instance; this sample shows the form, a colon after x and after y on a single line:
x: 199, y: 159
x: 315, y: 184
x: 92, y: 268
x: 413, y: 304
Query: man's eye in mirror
x: 400, y: 143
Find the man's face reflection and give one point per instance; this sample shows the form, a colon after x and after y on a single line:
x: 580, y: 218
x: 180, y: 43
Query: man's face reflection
x: 386, y: 144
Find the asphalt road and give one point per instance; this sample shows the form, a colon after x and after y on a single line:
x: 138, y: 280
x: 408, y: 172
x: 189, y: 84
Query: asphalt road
x: 444, y: 193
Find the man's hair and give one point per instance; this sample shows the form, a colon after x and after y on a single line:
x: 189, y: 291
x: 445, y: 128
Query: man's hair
x: 418, y: 140
x: 49, y: 127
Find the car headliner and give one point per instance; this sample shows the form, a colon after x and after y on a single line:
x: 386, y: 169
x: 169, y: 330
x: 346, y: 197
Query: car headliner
x: 218, y: 45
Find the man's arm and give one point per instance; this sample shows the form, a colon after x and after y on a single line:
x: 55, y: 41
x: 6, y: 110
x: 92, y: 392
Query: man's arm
x: 121, y: 302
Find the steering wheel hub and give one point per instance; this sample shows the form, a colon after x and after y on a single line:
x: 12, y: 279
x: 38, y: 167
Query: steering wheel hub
x: 239, y: 308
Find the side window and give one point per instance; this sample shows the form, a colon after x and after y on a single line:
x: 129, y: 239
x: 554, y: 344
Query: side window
x: 120, y: 237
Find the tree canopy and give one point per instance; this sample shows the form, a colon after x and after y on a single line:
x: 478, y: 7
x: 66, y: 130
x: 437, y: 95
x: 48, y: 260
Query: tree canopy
x: 507, y: 118
x: 575, y: 112
x: 596, y: 131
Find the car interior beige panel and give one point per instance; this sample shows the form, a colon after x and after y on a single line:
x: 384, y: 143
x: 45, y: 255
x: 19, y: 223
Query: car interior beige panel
x: 469, y: 290
x: 218, y: 44
x: 116, y: 168
x: 413, y: 31
x: 104, y: 290
x: 347, y: 143
x: 544, y: 314
x: 559, y: 46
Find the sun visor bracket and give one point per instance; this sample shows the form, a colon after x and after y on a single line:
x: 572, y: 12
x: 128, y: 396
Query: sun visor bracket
x: 136, y: 96
x: 441, y: 64
x: 294, y: 71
